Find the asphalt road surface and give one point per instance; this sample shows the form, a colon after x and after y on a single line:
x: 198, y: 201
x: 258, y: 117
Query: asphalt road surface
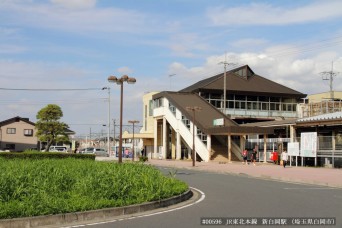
x: 227, y: 197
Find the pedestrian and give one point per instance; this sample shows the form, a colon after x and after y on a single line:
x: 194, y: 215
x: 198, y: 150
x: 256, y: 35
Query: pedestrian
x: 143, y: 152
x: 126, y: 153
x: 244, y: 155
x: 284, y: 157
x: 254, y: 156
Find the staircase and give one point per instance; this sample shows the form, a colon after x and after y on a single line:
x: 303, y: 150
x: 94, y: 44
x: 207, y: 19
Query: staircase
x: 220, y: 152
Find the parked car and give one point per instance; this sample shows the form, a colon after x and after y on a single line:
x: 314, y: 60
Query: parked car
x: 96, y: 151
x: 58, y: 149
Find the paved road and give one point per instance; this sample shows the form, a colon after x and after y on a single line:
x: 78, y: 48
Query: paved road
x: 234, y: 196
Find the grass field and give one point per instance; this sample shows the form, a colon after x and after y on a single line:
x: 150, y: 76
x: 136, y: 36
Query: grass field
x: 52, y: 186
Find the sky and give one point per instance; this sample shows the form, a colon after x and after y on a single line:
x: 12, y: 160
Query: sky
x: 62, y: 51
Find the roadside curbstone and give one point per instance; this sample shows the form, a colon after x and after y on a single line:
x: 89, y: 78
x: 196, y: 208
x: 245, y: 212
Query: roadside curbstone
x: 102, y: 214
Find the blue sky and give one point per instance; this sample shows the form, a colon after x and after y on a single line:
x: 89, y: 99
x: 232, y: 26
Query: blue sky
x: 77, y: 44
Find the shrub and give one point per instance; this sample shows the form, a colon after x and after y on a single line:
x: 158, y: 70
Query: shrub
x: 29, y: 154
x: 51, y: 186
x: 143, y: 158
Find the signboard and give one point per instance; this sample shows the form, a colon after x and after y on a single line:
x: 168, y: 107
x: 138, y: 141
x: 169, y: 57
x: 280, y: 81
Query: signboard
x: 218, y: 122
x: 308, y: 144
x: 293, y: 148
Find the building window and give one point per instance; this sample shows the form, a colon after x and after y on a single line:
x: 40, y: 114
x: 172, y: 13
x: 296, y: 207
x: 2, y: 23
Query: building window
x: 11, y: 130
x: 186, y: 122
x: 172, y: 109
x: 150, y: 108
x: 28, y: 132
x: 158, y: 103
x: 202, y: 136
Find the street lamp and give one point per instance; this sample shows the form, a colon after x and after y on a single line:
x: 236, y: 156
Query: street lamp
x: 133, y: 122
x: 108, y: 145
x: 193, y: 109
x: 120, y: 81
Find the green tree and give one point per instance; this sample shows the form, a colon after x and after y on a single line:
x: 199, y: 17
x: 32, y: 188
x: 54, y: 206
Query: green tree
x: 49, y: 128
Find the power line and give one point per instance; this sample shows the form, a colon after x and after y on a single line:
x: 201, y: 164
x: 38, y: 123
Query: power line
x: 51, y: 89
x: 331, y: 75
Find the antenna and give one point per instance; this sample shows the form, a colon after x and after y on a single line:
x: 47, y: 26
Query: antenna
x: 329, y: 75
x: 171, y: 75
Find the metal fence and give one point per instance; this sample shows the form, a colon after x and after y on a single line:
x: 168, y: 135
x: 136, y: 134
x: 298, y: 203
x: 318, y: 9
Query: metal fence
x: 329, y: 150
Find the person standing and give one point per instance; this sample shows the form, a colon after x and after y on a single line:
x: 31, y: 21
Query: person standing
x: 284, y: 157
x: 244, y: 155
x: 254, y: 155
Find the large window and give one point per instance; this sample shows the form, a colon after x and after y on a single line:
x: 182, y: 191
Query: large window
x: 11, y: 130
x: 28, y: 132
x: 158, y: 102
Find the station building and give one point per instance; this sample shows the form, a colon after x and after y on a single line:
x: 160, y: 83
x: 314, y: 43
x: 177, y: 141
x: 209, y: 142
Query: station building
x: 257, y: 113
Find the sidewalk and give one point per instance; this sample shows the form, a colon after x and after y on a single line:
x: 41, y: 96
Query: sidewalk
x: 307, y: 175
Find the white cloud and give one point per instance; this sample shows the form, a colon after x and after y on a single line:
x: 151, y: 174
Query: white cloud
x: 266, y: 14
x: 75, y: 4
x: 249, y: 43
x: 124, y: 70
x: 301, y: 74
x: 89, y: 20
x: 11, y: 49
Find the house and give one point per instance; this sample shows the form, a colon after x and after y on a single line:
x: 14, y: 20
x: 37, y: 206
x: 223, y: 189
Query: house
x: 17, y: 134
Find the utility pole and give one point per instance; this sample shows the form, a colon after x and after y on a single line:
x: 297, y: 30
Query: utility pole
x: 114, y: 132
x: 225, y: 64
x: 329, y: 75
x: 108, y: 145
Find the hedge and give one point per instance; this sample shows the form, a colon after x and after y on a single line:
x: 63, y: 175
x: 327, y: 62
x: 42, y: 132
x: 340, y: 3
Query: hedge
x: 44, y: 155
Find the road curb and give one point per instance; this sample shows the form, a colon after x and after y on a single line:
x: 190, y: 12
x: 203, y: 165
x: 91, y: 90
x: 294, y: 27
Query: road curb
x: 77, y: 217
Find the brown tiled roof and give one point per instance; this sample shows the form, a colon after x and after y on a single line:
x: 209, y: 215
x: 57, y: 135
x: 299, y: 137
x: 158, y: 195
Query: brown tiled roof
x: 205, y: 117
x: 250, y: 84
x: 16, y: 119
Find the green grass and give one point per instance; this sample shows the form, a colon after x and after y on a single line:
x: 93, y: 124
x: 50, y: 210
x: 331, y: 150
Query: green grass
x: 52, y: 186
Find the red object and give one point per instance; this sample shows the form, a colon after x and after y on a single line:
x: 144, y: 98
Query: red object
x: 274, y: 156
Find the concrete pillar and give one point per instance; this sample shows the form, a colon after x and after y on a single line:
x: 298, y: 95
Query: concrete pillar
x: 178, y: 146
x: 209, y: 145
x: 155, y: 139
x: 229, y: 148
x: 164, y: 138
x: 292, y: 134
x: 173, y: 144
x: 265, y: 148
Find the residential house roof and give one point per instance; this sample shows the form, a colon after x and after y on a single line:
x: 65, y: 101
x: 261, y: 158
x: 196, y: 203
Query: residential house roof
x: 16, y: 119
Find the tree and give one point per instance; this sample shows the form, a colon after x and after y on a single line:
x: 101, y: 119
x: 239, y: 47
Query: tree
x: 49, y: 128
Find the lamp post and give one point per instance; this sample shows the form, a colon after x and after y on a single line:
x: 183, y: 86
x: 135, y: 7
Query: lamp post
x: 108, y: 145
x: 120, y: 81
x: 193, y: 109
x: 133, y: 122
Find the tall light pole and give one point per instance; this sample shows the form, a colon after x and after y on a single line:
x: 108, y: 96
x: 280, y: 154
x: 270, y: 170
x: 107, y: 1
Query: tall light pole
x: 193, y: 109
x: 120, y: 81
x: 108, y: 145
x: 133, y: 122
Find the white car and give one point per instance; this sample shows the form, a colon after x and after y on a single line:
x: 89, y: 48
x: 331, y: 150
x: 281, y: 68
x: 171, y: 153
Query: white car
x: 96, y: 151
x: 58, y: 149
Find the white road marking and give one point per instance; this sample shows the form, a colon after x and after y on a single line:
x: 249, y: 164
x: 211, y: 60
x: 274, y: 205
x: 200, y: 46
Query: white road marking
x: 147, y: 215
x: 318, y: 188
